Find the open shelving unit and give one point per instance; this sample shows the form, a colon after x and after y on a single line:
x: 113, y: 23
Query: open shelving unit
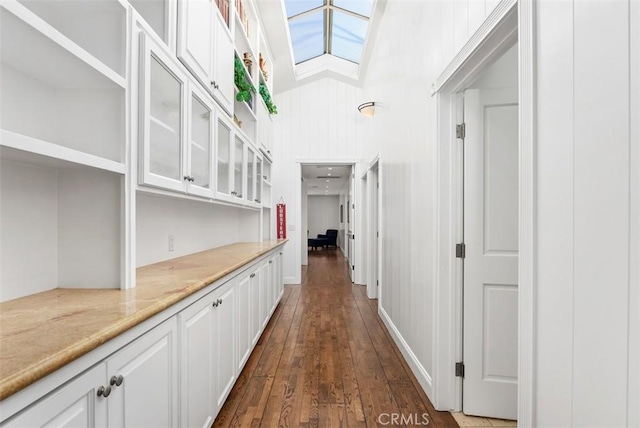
x: 63, y: 98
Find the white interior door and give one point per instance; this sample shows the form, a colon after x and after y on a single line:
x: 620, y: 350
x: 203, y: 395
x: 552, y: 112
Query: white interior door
x: 490, y: 344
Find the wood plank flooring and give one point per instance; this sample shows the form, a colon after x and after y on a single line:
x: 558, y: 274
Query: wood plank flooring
x: 326, y: 360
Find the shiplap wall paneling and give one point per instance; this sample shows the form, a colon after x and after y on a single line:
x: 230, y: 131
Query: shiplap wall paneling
x: 319, y: 120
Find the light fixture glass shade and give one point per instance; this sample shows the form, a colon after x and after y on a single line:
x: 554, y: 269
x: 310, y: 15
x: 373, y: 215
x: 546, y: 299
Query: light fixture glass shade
x: 367, y: 109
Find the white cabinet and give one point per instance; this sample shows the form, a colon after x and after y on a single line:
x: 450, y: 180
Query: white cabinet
x: 265, y: 292
x: 197, y: 355
x: 146, y: 371
x: 135, y: 387
x: 239, y: 168
x: 207, y: 355
x: 254, y: 305
x: 177, y: 126
x: 75, y: 405
x: 230, y: 158
x: 224, y: 342
x: 206, y: 49
x: 199, y: 156
x: 244, y: 321
x: 162, y: 100
x: 224, y: 159
x: 254, y: 174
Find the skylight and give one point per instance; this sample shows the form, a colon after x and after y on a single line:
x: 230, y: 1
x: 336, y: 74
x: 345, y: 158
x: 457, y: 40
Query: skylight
x: 335, y: 27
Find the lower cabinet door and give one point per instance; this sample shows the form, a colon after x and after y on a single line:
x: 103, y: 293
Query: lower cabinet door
x: 225, y: 333
x: 254, y: 307
x: 244, y: 318
x: 143, y: 375
x: 77, y: 404
x: 197, y: 394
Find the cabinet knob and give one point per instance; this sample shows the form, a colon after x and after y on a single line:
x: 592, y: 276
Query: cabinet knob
x: 104, y: 392
x: 214, y: 304
x: 219, y: 301
x: 270, y: 261
x: 214, y: 84
x: 116, y: 380
x: 252, y: 275
x: 257, y: 200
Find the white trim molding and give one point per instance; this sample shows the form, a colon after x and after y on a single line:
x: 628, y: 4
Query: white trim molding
x: 492, y: 28
x: 418, y: 369
x: 527, y: 219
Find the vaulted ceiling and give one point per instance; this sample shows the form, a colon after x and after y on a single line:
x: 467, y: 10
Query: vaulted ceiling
x: 312, y: 39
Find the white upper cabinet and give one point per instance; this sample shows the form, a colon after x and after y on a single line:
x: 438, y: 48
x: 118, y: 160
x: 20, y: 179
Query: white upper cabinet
x: 239, y: 171
x: 162, y: 97
x: 224, y: 159
x: 199, y: 157
x: 195, y: 38
x: 205, y: 47
x: 177, y: 126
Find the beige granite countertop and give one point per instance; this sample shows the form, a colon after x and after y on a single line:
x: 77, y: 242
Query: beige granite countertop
x: 42, y: 332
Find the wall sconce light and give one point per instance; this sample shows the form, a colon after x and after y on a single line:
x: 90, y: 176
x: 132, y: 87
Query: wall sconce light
x: 367, y: 108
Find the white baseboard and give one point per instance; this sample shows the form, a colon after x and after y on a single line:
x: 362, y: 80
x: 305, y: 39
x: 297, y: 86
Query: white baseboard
x: 416, y: 367
x: 290, y: 280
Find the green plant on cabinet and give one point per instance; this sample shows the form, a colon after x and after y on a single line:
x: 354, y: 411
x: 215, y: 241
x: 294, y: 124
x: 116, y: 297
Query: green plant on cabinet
x: 245, y: 88
x: 266, y: 96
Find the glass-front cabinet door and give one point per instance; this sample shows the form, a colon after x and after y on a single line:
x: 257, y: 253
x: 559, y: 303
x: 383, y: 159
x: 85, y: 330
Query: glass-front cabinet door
x: 163, y: 92
x: 238, y: 168
x: 200, y: 154
x: 224, y: 152
x: 258, y: 180
x: 251, y: 157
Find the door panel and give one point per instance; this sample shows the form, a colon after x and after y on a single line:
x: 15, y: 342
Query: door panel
x: 491, y: 263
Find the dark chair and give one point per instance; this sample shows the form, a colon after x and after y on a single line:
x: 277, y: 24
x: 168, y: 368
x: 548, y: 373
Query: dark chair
x: 331, y: 237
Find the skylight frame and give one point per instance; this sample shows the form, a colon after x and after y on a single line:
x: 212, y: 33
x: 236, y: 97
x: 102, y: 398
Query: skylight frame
x: 328, y: 9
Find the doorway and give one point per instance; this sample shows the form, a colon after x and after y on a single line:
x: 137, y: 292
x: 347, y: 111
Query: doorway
x: 489, y: 253
x: 326, y: 189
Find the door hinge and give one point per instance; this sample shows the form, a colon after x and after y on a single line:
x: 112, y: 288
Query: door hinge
x: 377, y: 185
x: 461, y: 250
x: 460, y: 131
x: 377, y: 234
x: 377, y: 283
x: 460, y: 369
x: 353, y: 267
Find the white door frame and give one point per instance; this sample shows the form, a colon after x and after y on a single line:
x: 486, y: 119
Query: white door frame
x: 511, y: 20
x: 374, y: 258
x: 356, y: 165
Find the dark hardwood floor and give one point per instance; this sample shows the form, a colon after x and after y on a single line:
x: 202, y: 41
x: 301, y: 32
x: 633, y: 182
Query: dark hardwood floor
x: 326, y: 359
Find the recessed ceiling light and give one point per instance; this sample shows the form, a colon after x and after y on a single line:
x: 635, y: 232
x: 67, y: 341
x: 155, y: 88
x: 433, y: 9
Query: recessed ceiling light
x: 327, y: 181
x: 329, y: 173
x: 330, y: 168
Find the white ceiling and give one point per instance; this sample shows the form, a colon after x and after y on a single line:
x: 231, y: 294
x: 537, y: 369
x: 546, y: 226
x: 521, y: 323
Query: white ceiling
x: 325, y: 179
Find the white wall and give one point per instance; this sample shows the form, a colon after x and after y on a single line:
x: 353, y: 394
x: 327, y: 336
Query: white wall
x: 195, y: 226
x: 318, y: 121
x: 323, y: 214
x: 60, y: 227
x: 587, y: 324
x: 588, y: 195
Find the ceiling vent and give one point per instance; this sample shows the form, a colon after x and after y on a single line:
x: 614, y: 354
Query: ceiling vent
x: 329, y: 176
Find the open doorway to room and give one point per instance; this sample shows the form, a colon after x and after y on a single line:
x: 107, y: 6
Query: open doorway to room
x: 328, y: 211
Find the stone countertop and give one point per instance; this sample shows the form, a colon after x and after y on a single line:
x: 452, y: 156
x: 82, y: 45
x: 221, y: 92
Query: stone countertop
x: 43, y: 332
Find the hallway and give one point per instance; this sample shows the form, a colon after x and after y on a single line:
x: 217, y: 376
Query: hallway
x: 326, y: 359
